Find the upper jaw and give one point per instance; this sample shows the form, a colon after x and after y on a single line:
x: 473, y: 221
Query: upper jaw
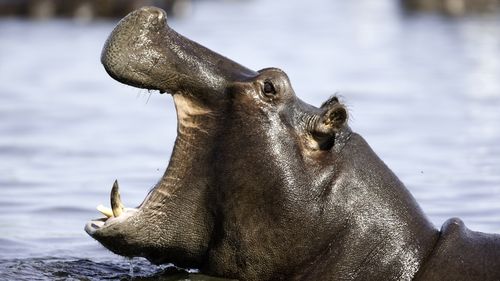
x: 131, y: 52
x: 143, y: 51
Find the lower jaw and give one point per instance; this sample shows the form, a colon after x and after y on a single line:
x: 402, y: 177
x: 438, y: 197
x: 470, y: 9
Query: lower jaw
x: 116, y: 214
x: 95, y: 225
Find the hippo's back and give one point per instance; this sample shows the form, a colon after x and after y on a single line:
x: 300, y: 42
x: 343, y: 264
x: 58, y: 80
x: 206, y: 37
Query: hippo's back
x: 462, y: 254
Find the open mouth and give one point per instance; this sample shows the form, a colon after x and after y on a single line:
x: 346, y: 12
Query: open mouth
x: 116, y: 214
x: 143, y: 51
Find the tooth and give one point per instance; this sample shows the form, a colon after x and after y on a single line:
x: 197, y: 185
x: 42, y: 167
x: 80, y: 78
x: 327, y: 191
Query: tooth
x: 116, y: 202
x: 105, y: 210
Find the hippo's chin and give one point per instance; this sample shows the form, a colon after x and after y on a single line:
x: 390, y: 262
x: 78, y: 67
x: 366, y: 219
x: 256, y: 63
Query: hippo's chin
x: 96, y: 225
x: 117, y: 214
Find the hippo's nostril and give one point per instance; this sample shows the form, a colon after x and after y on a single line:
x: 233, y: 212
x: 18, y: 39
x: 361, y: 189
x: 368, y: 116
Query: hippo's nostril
x: 160, y: 15
x: 154, y: 14
x: 151, y: 9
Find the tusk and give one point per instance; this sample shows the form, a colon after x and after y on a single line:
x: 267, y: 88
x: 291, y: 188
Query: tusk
x: 116, y: 202
x: 105, y: 210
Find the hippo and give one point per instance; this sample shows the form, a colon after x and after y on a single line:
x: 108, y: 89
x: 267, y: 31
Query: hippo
x: 451, y: 8
x: 263, y: 186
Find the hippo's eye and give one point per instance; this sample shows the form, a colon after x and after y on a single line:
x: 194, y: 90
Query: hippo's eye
x: 269, y: 89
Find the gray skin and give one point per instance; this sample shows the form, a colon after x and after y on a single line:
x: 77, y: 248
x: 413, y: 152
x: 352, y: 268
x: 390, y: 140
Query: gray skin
x: 262, y: 186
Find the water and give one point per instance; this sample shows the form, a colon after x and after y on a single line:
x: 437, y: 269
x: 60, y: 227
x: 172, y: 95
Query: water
x: 423, y: 90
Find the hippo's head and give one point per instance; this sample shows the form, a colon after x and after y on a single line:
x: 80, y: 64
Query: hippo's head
x: 260, y: 185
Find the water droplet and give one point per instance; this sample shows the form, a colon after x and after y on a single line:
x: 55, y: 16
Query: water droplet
x: 131, y: 268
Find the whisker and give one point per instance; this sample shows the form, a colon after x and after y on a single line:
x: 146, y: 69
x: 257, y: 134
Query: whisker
x: 150, y: 93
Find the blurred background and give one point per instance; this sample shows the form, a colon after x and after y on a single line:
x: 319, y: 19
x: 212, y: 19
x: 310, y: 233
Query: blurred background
x: 420, y: 78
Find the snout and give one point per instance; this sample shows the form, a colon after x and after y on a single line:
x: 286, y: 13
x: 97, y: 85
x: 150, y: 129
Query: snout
x: 143, y: 51
x: 133, y: 49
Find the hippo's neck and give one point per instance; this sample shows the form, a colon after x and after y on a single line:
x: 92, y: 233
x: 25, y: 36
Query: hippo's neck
x: 385, y: 235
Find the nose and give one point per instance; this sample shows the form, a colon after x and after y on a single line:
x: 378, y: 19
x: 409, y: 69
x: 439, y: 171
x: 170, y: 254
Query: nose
x: 152, y: 17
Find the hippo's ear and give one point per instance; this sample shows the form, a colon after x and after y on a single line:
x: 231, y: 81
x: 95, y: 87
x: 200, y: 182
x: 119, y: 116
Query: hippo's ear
x: 331, y: 119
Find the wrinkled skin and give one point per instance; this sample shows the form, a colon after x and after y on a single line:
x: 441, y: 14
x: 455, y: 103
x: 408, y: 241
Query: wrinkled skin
x: 262, y: 186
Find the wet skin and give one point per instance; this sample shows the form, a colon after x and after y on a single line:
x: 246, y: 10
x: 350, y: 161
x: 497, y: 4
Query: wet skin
x: 262, y: 186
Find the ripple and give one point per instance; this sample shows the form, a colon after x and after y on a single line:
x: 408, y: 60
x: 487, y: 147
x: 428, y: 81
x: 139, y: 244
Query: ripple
x: 51, y: 268
x: 57, y: 210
